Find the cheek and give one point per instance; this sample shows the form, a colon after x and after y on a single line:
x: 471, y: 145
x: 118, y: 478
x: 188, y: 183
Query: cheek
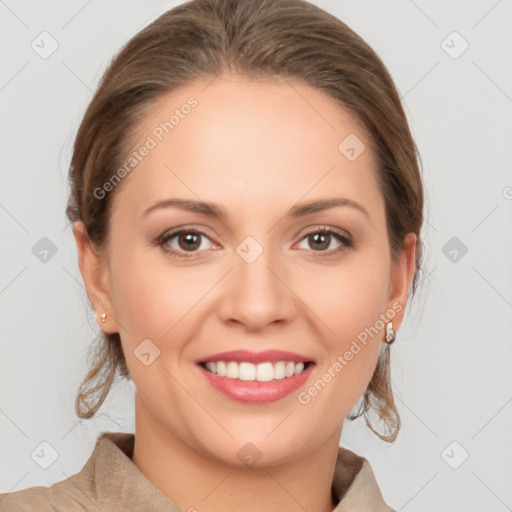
x: 348, y: 298
x: 156, y: 300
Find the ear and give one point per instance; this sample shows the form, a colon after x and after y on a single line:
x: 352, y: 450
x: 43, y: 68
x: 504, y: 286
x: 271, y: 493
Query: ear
x: 402, y: 273
x: 95, y: 273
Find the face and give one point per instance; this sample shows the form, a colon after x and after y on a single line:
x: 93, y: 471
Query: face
x: 183, y: 285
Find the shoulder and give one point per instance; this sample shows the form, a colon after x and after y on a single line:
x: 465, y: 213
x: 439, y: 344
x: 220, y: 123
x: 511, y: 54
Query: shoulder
x: 355, y: 484
x: 59, y: 496
x: 80, y: 492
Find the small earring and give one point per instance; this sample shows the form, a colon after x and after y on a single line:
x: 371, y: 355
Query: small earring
x: 390, y: 334
x: 103, y: 317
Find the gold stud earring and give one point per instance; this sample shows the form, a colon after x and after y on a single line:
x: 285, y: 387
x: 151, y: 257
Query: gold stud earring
x: 390, y: 334
x: 104, y: 317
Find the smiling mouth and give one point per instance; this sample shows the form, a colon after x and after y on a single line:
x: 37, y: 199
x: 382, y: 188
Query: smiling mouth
x: 261, y: 372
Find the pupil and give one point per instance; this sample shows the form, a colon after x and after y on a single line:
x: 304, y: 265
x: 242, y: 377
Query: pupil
x: 323, y: 236
x: 189, y: 237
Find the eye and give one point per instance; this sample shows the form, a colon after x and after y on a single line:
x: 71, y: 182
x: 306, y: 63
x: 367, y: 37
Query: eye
x: 191, y: 241
x: 322, y: 238
x: 187, y: 240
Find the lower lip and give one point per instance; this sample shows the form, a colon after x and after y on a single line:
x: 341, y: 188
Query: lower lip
x: 254, y: 391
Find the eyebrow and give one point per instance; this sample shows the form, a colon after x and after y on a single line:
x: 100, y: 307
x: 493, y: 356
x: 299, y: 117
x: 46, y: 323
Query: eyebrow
x: 217, y: 211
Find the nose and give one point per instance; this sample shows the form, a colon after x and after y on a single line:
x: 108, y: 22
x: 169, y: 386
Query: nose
x: 256, y: 295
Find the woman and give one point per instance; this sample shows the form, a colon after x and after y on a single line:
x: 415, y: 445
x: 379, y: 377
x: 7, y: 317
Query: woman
x: 226, y: 140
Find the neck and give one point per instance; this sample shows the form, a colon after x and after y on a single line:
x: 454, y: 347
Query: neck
x: 195, y: 481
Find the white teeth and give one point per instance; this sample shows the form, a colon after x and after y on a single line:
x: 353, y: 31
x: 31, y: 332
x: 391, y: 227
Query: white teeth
x: 265, y: 372
x: 262, y: 372
x: 279, y: 370
x: 221, y: 368
x: 246, y: 371
x: 290, y: 368
x: 298, y: 368
x: 212, y: 367
x: 232, y: 370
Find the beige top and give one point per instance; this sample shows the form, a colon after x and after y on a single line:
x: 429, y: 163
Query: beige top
x: 109, y: 481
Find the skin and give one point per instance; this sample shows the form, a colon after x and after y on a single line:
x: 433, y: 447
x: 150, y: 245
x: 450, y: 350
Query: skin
x: 256, y: 148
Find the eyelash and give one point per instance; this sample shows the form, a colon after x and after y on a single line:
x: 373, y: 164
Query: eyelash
x: 164, y: 239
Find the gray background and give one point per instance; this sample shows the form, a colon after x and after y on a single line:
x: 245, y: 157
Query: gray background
x: 452, y: 359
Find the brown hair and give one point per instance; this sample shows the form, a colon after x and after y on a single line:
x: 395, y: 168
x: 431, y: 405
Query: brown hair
x: 264, y: 38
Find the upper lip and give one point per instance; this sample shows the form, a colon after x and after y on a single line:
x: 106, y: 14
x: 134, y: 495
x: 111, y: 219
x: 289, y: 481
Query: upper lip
x: 255, y: 357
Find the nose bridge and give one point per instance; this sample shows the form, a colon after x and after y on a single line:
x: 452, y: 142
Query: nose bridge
x: 253, y: 264
x: 256, y: 295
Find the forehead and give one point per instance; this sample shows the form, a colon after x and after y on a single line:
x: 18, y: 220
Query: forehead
x: 236, y: 140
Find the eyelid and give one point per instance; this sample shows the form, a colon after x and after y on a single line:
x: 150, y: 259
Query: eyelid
x: 343, y: 237
x: 330, y: 229
x: 171, y: 233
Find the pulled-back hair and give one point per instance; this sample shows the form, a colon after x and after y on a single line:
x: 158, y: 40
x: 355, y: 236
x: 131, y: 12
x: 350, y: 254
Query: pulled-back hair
x: 256, y: 39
